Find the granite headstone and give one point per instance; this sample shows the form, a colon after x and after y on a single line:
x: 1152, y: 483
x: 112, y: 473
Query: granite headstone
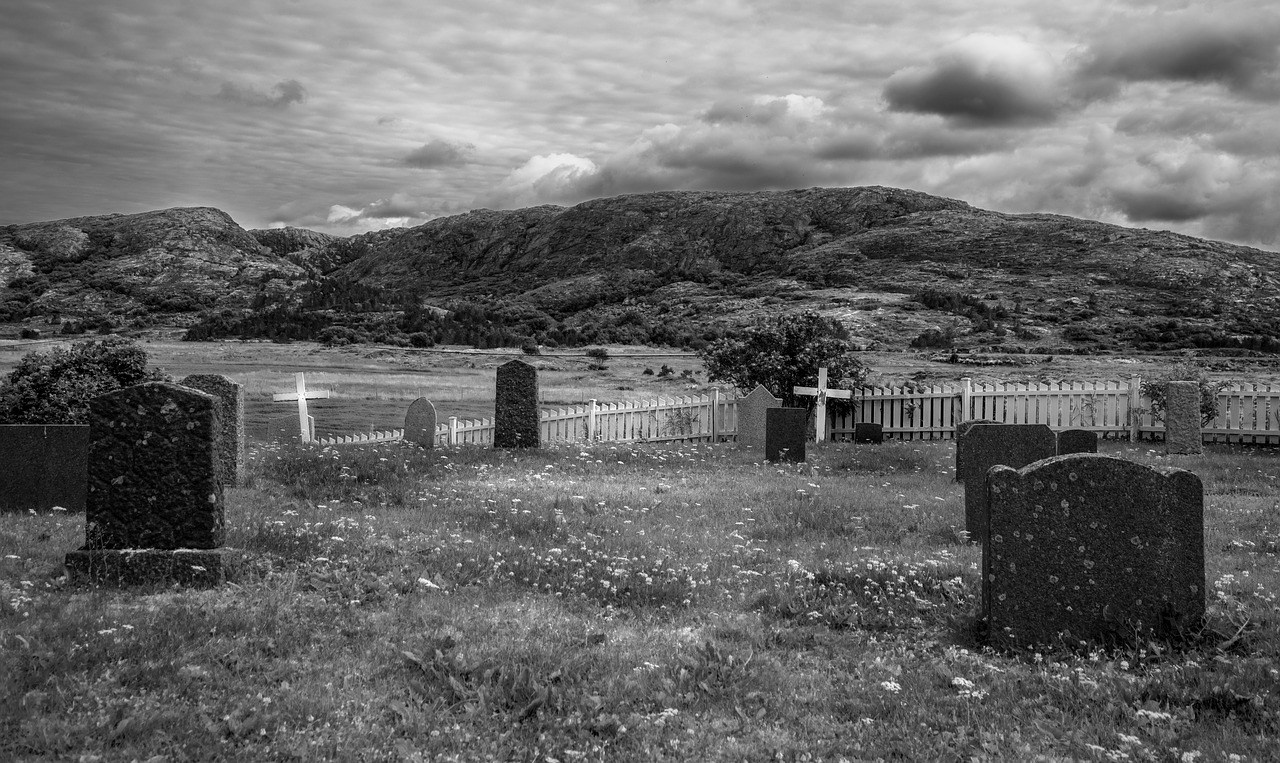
x: 868, y: 432
x: 420, y: 423
x: 985, y: 446
x: 785, y: 432
x: 1094, y: 549
x: 1077, y: 441
x: 1182, y: 418
x: 751, y: 417
x: 961, y: 430
x: 516, y: 419
x: 45, y: 467
x: 230, y: 397
x: 155, y: 509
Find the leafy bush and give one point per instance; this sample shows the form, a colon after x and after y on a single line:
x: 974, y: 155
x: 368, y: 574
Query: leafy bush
x: 784, y: 352
x: 599, y: 353
x: 56, y: 387
x: 1154, y: 389
x: 934, y: 338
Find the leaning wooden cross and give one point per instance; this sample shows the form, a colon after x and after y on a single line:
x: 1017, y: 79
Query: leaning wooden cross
x: 820, y: 411
x: 302, y: 395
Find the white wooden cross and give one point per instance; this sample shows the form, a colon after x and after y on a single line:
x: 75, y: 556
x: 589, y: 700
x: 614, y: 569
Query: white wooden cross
x: 820, y: 411
x: 302, y: 396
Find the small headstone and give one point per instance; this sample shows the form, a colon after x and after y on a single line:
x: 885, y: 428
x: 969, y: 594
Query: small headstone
x: 45, y: 466
x: 230, y: 396
x: 516, y: 419
x: 868, y: 432
x: 285, y: 429
x: 784, y: 434
x: 751, y: 413
x: 961, y: 430
x: 1092, y: 548
x: 1077, y: 441
x: 154, y: 511
x: 988, y: 445
x: 1182, y: 418
x: 420, y: 423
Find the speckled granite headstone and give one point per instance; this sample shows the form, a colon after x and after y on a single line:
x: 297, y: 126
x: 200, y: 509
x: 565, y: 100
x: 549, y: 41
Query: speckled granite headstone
x: 153, y: 486
x: 230, y: 402
x: 1182, y: 418
x: 1077, y: 441
x: 751, y: 412
x: 785, y: 432
x: 1092, y: 548
x: 986, y: 445
x: 868, y: 432
x: 43, y: 466
x: 420, y: 423
x: 961, y: 430
x: 516, y: 421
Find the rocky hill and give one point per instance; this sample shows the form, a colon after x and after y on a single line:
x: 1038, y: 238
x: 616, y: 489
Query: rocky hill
x: 898, y: 267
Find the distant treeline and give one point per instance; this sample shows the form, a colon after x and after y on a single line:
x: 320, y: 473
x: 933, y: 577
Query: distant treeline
x: 339, y: 311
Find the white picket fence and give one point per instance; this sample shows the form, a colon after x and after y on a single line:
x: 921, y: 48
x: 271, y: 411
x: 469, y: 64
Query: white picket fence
x: 1247, y: 413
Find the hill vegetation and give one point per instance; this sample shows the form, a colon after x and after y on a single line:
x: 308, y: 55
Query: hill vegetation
x: 897, y: 268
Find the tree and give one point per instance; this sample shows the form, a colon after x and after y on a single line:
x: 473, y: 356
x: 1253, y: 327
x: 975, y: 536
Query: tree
x: 56, y: 387
x: 784, y: 352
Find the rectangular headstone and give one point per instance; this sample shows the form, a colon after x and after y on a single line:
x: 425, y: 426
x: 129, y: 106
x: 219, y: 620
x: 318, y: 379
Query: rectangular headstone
x: 785, y: 432
x: 515, y: 407
x: 230, y: 397
x: 1182, y: 418
x: 751, y: 414
x: 153, y: 484
x: 44, y: 466
x: 961, y: 430
x: 988, y: 445
x: 1092, y: 548
x: 868, y: 432
x: 1077, y: 441
x: 420, y: 423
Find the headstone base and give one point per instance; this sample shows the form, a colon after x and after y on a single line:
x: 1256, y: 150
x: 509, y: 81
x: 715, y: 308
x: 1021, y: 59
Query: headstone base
x: 196, y: 568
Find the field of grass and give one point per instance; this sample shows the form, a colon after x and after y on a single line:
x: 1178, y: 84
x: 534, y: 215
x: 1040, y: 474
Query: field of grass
x: 628, y: 603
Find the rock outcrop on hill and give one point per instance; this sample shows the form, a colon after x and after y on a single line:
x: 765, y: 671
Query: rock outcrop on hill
x: 897, y: 266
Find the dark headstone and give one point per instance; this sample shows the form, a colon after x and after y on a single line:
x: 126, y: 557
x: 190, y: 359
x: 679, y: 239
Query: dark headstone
x: 987, y: 445
x: 1092, y: 548
x: 1077, y: 441
x: 516, y: 421
x: 420, y: 423
x: 1182, y: 418
x: 45, y: 466
x: 153, y: 484
x: 785, y: 434
x: 230, y: 402
x: 868, y: 432
x: 961, y: 430
x: 751, y: 414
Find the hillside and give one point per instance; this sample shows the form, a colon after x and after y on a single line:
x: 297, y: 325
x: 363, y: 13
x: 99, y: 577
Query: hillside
x: 897, y: 266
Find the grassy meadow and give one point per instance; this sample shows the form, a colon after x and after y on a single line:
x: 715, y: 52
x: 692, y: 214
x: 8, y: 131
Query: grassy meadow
x: 621, y: 603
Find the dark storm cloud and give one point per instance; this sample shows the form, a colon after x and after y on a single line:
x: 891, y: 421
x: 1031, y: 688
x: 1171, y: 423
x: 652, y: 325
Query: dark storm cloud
x: 982, y: 80
x: 1239, y: 53
x: 282, y: 95
x: 438, y: 153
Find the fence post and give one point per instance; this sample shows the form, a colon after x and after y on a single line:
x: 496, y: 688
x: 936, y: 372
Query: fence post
x: 453, y: 430
x: 966, y: 399
x: 591, y: 421
x: 715, y: 414
x: 1135, y: 400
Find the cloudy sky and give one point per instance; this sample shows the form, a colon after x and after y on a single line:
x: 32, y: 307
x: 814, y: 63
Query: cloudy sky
x: 346, y: 117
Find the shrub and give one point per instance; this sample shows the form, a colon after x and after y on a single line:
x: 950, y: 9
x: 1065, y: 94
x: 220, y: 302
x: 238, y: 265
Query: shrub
x: 421, y: 339
x: 56, y: 387
x: 599, y: 353
x: 1154, y: 389
x: 934, y: 338
x: 30, y: 333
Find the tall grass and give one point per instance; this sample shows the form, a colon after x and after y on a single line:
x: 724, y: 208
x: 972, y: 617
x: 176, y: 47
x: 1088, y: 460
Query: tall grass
x: 618, y: 603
